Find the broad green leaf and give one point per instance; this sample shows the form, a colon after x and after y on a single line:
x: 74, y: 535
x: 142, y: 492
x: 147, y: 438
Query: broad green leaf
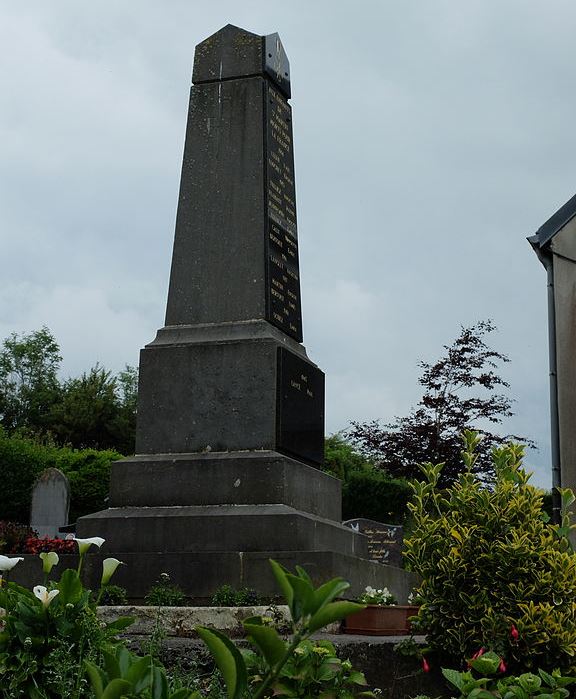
x: 303, y: 600
x: 117, y: 689
x: 111, y: 665
x: 327, y: 592
x: 228, y: 659
x: 334, y: 611
x: 303, y: 573
x: 121, y: 623
x: 529, y: 682
x: 356, y: 677
x: 480, y: 693
x: 124, y: 658
x: 268, y: 641
x: 486, y: 664
x: 454, y: 677
x: 256, y: 620
x: 160, y: 684
x: 140, y: 673
x: 280, y: 575
x: 70, y: 587
x: 549, y: 679
x: 96, y: 678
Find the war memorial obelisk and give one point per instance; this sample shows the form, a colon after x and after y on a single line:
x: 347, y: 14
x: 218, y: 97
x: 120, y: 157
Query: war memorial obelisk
x: 230, y: 430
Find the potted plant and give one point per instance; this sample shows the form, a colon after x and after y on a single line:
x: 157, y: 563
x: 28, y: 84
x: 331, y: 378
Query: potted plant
x: 382, y: 616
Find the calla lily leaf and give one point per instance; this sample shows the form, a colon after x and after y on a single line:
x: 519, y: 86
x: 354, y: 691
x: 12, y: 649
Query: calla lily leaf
x: 70, y: 587
x: 228, y: 659
x: 117, y: 689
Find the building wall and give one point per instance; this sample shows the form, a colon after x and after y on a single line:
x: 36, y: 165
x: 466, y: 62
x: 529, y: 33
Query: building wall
x: 563, y: 248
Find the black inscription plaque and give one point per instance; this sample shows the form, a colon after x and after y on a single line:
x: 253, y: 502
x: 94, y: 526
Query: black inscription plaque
x: 283, y: 307
x: 300, y: 411
x: 384, y: 540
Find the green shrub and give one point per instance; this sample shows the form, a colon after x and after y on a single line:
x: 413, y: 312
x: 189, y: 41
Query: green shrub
x: 341, y: 459
x: 495, y: 573
x: 493, y: 684
x: 227, y: 596
x: 23, y: 459
x: 22, y: 462
x: 375, y: 495
x: 313, y: 670
x: 165, y: 594
x: 88, y: 471
x: 113, y: 595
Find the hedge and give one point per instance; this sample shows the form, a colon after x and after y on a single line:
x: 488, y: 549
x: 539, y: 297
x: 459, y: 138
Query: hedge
x: 23, y: 459
x: 376, y: 496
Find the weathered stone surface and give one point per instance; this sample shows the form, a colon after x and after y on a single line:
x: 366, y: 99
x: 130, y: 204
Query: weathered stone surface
x: 219, y: 528
x: 228, y: 396
x: 180, y: 622
x: 50, y: 503
x: 224, y: 478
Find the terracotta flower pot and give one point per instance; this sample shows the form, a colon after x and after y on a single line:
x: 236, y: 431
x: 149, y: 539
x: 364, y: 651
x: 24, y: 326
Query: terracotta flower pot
x: 377, y: 620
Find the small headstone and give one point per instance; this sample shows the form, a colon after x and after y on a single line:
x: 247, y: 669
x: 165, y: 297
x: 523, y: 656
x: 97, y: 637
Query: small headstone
x: 384, y: 540
x: 50, y: 503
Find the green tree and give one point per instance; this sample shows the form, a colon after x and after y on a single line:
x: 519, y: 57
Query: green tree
x: 97, y: 410
x: 29, y: 385
x: 341, y: 458
x: 460, y: 393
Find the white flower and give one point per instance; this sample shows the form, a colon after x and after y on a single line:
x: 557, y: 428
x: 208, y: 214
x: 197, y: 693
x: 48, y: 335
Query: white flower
x: 43, y: 595
x: 7, y: 564
x: 109, y: 566
x: 49, y: 560
x: 2, y: 615
x: 84, y: 544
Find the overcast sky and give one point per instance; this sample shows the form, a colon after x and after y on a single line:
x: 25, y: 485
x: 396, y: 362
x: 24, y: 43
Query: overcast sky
x: 431, y: 137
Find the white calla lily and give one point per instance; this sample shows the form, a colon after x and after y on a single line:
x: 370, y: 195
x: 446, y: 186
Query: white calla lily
x: 49, y: 560
x: 84, y: 544
x: 7, y: 564
x: 43, y: 595
x: 109, y: 566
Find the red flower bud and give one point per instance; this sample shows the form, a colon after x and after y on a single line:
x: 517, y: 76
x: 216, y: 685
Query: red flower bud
x: 514, y: 633
x: 478, y: 653
x: 425, y: 665
x: 502, y: 667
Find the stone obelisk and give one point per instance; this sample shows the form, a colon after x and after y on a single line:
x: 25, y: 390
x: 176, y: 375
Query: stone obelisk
x: 230, y: 427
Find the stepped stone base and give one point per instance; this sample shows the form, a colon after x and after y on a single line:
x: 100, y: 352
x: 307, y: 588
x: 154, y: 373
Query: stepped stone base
x: 216, y: 518
x: 224, y: 478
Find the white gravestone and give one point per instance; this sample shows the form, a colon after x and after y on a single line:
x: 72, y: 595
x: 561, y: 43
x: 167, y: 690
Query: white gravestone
x: 50, y: 503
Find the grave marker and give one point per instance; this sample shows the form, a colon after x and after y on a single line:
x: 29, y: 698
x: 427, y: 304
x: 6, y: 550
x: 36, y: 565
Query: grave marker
x: 50, y: 503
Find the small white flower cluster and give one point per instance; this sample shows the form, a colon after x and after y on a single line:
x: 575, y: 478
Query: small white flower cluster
x: 374, y: 596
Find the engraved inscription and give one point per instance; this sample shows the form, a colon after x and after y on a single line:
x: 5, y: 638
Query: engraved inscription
x: 385, y: 541
x: 300, y: 417
x: 283, y: 277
